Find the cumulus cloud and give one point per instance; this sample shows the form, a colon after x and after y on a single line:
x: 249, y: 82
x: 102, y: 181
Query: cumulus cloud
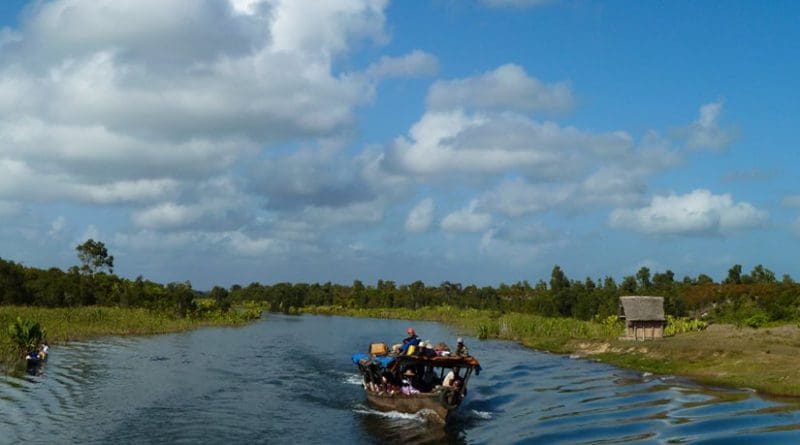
x: 316, y: 177
x: 468, y: 219
x: 517, y: 197
x: 414, y: 64
x: 420, y: 217
x: 705, y: 132
x: 130, y: 99
x: 696, y: 213
x: 445, y: 143
x: 506, y: 88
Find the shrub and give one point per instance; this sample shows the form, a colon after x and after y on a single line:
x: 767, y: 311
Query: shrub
x: 679, y: 325
x: 26, y: 334
x: 757, y: 320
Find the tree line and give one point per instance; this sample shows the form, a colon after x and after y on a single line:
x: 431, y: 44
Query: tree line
x: 740, y: 296
x: 90, y: 283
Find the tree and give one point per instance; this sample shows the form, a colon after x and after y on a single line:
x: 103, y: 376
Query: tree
x: 704, y: 279
x: 734, y: 275
x: 221, y: 298
x: 94, y: 256
x: 762, y: 275
x: 643, y: 276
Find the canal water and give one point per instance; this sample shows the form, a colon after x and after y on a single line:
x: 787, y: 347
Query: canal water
x: 289, y: 380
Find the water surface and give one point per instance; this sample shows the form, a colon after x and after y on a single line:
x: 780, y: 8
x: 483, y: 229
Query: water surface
x: 290, y: 380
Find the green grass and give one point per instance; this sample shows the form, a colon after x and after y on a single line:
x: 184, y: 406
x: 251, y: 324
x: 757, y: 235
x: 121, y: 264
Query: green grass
x: 552, y: 334
x: 80, y: 323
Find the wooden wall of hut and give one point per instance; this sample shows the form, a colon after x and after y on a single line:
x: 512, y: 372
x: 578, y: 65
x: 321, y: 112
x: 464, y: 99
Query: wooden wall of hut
x: 645, y: 330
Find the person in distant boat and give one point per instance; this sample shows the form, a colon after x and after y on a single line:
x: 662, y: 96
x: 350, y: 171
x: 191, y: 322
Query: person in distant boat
x: 461, y: 348
x: 409, y: 341
x: 44, y: 350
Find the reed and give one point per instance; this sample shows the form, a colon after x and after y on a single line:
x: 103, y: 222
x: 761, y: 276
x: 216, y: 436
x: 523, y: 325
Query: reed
x: 553, y: 334
x: 79, y: 323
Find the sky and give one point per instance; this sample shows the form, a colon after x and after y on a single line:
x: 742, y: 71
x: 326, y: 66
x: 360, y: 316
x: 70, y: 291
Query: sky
x: 476, y: 141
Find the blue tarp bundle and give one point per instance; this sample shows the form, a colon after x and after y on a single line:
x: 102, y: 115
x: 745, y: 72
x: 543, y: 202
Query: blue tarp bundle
x: 383, y: 361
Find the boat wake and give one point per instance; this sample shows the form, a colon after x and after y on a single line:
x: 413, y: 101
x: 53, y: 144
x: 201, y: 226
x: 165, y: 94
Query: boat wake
x: 424, y: 415
x: 353, y: 379
x: 484, y: 415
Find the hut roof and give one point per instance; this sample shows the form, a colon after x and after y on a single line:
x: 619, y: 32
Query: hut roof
x: 638, y: 308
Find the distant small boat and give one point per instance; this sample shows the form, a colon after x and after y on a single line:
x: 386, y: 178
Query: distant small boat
x: 412, y: 384
x: 34, y: 359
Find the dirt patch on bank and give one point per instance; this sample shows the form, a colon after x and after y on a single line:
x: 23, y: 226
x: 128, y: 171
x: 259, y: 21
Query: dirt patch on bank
x: 765, y: 359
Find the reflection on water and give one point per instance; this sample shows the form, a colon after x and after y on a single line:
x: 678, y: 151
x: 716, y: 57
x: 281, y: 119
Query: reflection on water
x: 290, y: 380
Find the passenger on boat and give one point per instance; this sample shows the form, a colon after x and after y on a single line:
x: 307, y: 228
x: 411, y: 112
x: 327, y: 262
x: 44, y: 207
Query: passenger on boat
x: 44, y: 350
x: 461, y: 348
x: 409, y: 341
x: 408, y: 387
x: 451, y: 378
x: 425, y: 350
x: 429, y: 379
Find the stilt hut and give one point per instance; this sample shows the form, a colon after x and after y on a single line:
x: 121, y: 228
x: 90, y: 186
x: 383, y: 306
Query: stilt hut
x: 644, y: 317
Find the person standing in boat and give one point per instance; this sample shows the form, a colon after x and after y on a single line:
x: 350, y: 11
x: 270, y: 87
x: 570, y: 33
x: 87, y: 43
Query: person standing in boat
x: 461, y: 348
x: 409, y: 341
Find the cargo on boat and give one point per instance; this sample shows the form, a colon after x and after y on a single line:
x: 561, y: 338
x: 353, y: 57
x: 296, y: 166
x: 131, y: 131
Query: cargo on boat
x: 414, y: 383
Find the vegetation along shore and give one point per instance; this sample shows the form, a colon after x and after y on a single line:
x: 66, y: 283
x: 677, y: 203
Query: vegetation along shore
x: 742, y: 331
x: 89, y: 300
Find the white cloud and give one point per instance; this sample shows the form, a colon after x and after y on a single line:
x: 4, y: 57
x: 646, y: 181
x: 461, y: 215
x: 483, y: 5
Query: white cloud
x: 467, y: 220
x: 91, y: 232
x: 57, y: 226
x: 128, y: 100
x: 705, y: 132
x: 506, y: 88
x: 360, y: 213
x: 517, y: 197
x: 317, y: 177
x: 420, y: 217
x: 414, y: 64
x: 242, y: 244
x: 447, y: 143
x: 696, y: 213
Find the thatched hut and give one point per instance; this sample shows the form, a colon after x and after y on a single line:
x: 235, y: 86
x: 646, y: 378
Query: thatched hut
x: 644, y: 317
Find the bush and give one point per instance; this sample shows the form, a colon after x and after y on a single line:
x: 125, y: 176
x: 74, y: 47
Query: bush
x: 757, y: 320
x: 683, y: 324
x: 26, y: 334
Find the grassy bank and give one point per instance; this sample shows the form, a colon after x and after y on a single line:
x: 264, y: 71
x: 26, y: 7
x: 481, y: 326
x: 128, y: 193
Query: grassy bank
x: 80, y: 323
x: 761, y: 359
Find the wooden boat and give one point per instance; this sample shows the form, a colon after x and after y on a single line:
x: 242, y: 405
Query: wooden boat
x: 431, y: 396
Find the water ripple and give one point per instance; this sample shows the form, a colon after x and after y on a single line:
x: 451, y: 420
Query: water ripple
x: 289, y: 380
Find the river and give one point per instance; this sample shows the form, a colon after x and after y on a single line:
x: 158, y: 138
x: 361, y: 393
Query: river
x: 289, y: 380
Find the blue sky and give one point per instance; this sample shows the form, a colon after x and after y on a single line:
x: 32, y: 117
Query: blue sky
x: 232, y: 141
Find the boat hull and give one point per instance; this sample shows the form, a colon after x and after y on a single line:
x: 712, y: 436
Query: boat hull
x: 414, y: 403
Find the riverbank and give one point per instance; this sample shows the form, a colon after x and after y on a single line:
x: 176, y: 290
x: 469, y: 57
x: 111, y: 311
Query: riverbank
x: 762, y: 359
x: 82, y: 323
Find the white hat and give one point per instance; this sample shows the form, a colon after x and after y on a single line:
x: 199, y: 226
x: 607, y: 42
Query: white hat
x: 459, y: 340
